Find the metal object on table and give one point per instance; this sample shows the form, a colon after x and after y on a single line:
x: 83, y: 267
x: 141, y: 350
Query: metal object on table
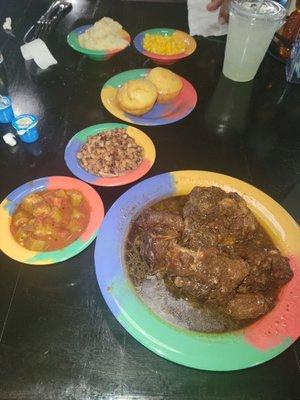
x: 42, y: 28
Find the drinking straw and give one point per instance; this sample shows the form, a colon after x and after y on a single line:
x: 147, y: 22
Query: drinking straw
x: 259, y: 6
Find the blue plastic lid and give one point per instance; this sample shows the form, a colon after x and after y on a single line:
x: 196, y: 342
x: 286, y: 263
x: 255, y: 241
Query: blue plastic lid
x: 24, y: 122
x: 4, y: 102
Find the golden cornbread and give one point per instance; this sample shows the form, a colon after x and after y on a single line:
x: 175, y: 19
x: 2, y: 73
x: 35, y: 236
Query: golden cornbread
x: 137, y: 96
x: 167, y: 83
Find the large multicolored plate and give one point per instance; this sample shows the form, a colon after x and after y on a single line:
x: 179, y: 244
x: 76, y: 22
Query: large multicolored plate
x: 259, y: 342
x: 97, y: 55
x: 15, y: 251
x: 80, y: 138
x: 161, y: 114
x: 189, y: 41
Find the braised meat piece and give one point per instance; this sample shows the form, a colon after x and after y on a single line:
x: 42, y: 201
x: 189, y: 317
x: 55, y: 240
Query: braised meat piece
x: 155, y: 246
x: 249, y: 305
x: 269, y: 270
x: 159, y: 229
x: 215, y: 252
x: 160, y: 219
x: 213, y: 217
x: 209, y: 275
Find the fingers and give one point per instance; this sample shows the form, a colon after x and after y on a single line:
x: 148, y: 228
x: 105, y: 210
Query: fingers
x: 224, y: 12
x: 224, y: 9
x: 214, y: 5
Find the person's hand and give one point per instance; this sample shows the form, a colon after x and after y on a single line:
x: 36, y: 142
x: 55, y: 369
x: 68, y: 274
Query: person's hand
x: 224, y: 7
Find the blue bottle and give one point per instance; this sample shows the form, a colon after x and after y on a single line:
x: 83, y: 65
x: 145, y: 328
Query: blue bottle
x: 6, y: 111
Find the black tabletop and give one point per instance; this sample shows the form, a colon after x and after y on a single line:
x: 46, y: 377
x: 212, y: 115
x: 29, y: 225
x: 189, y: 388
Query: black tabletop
x: 58, y: 339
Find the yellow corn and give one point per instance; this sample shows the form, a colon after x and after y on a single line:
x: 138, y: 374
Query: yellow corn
x: 164, y: 45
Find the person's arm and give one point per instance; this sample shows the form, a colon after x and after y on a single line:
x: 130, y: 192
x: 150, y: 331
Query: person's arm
x: 223, y: 4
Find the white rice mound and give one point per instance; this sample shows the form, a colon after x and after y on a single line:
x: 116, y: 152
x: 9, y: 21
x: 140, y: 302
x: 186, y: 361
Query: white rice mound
x: 105, y: 34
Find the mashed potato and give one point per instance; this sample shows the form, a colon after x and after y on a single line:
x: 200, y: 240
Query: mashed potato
x: 103, y: 35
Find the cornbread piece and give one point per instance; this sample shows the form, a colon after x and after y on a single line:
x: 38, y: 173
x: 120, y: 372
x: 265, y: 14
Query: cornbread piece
x: 137, y: 96
x: 167, y: 83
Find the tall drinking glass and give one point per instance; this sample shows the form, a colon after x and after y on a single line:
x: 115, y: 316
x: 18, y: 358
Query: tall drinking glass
x: 252, y: 25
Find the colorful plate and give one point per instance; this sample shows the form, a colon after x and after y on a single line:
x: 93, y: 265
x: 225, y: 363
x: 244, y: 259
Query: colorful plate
x: 259, y: 342
x: 189, y: 41
x: 161, y: 114
x: 97, y: 55
x: 15, y: 251
x: 80, y: 138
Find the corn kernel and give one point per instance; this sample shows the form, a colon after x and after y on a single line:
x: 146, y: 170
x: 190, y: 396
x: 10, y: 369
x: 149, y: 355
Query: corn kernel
x: 164, y: 45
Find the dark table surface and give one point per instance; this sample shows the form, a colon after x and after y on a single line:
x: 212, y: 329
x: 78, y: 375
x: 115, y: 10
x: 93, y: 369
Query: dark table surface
x: 58, y: 339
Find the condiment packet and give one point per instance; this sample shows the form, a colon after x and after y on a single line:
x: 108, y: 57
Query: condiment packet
x: 7, y: 24
x: 39, y: 52
x: 10, y: 139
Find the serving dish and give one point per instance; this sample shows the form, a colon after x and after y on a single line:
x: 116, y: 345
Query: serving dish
x: 161, y: 114
x: 80, y: 138
x: 96, y: 55
x: 255, y: 344
x: 7, y: 207
x: 188, y: 40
